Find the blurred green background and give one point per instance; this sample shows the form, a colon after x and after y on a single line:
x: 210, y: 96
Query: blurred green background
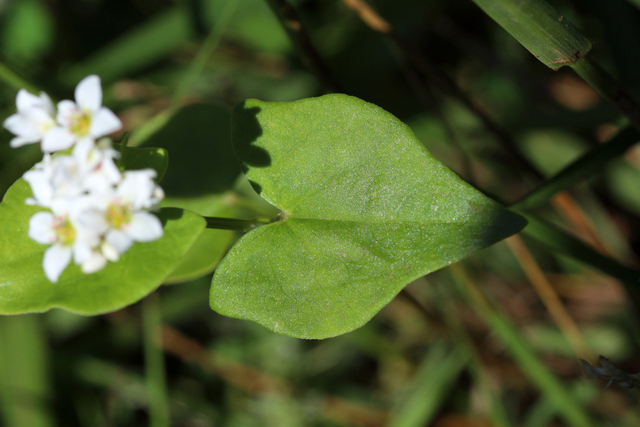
x: 471, y: 345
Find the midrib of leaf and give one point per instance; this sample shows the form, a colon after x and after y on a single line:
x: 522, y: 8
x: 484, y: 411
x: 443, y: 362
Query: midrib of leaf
x: 372, y: 221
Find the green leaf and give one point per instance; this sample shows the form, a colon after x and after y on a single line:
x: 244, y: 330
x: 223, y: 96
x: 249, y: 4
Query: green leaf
x: 365, y: 210
x: 541, y: 29
x: 24, y: 288
x: 27, y: 31
x: 134, y: 158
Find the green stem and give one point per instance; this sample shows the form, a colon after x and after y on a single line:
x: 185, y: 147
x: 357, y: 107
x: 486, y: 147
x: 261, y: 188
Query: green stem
x: 154, y: 363
x: 588, y: 165
x: 234, y: 223
x: 24, y: 379
x: 10, y: 77
x: 200, y: 61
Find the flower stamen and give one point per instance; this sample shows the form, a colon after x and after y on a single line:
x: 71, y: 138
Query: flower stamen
x: 64, y: 231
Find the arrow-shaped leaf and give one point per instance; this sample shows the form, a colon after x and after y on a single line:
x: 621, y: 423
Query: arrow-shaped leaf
x: 365, y: 210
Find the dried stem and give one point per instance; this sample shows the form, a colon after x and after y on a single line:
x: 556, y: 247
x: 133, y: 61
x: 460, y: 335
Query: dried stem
x: 550, y: 298
x: 291, y: 22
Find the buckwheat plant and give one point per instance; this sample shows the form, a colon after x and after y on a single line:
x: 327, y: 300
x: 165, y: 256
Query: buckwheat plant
x: 359, y: 209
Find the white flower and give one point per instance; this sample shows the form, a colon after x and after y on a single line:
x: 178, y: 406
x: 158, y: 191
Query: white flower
x: 89, y: 169
x: 97, y: 165
x: 96, y: 212
x: 125, y: 215
x: 68, y: 234
x: 34, y: 119
x: 85, y: 119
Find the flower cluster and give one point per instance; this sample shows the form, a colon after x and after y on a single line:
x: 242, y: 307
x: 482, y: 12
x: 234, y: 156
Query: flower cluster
x: 94, y: 212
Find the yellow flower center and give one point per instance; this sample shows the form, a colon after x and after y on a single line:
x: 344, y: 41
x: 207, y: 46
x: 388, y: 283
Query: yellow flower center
x: 118, y: 215
x: 81, y: 123
x: 64, y: 231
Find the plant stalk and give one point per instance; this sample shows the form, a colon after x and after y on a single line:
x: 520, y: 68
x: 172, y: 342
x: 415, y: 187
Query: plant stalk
x: 292, y: 24
x: 234, y: 223
x: 14, y: 80
x: 586, y: 166
x: 154, y: 363
x: 25, y: 389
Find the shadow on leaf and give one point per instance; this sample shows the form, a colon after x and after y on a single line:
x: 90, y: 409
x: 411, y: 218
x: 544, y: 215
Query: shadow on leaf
x: 245, y: 132
x: 201, y: 158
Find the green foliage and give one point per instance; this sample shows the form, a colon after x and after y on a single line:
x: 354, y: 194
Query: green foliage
x: 436, y: 354
x: 132, y: 158
x: 365, y: 210
x: 27, y: 33
x: 142, y: 269
x: 548, y: 35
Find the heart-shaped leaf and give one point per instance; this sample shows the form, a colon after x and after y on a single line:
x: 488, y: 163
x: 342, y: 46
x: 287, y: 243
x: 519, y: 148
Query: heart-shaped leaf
x: 365, y: 210
x: 24, y: 288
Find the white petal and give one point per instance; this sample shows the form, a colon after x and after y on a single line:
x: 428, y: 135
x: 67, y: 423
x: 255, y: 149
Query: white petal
x: 40, y: 186
x: 119, y: 240
x: 144, y: 227
x: 99, y: 184
x: 56, y: 259
x: 22, y: 125
x: 138, y: 188
x: 26, y: 100
x: 91, y: 223
x: 89, y: 93
x: 66, y: 110
x: 41, y: 228
x: 81, y: 251
x: 57, y: 139
x: 109, y: 251
x: 93, y: 263
x: 104, y: 123
x: 111, y: 171
x: 83, y: 152
x: 19, y: 141
x: 46, y: 104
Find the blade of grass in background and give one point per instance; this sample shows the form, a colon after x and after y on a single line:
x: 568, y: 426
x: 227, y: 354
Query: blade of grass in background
x: 556, y: 42
x: 477, y: 369
x: 154, y: 363
x: 204, y: 54
x: 12, y: 79
x: 543, y: 411
x: 566, y: 244
x: 550, y: 37
x: 24, y: 377
x: 433, y: 382
x: 565, y: 404
x: 587, y: 166
x: 636, y: 3
x: 149, y: 42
